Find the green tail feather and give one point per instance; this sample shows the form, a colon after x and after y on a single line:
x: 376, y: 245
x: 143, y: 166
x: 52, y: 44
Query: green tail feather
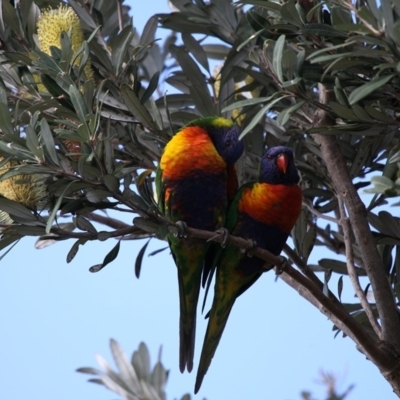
x: 216, y: 324
x: 189, y: 257
x: 187, y: 323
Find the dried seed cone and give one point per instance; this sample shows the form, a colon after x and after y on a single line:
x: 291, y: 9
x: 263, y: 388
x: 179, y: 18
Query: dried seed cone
x: 73, y: 146
x: 28, y: 190
x: 50, y: 25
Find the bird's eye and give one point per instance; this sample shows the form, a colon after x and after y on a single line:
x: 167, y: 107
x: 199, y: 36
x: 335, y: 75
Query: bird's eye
x: 269, y: 157
x: 228, y: 143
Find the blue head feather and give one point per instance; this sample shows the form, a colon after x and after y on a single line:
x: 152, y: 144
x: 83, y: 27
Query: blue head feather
x: 270, y: 172
x: 226, y: 141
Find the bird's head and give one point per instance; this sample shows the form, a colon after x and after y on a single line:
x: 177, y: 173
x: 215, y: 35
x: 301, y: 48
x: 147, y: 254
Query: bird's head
x: 277, y: 166
x: 225, y: 137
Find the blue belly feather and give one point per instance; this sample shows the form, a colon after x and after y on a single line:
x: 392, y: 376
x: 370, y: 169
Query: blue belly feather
x: 199, y: 199
x: 267, y: 237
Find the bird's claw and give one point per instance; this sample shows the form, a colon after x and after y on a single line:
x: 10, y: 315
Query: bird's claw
x: 221, y: 232
x: 283, y: 264
x: 249, y: 249
x: 225, y: 234
x: 182, y: 229
x: 279, y: 268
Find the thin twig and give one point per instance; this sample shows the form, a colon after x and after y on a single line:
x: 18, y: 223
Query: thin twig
x: 318, y: 214
x: 345, y: 223
x: 302, y: 266
x: 336, y: 246
x: 351, y: 7
x: 107, y: 221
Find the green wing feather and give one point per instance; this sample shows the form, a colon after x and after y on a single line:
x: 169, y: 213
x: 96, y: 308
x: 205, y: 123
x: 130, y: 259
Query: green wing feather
x: 160, y: 190
x: 231, y: 221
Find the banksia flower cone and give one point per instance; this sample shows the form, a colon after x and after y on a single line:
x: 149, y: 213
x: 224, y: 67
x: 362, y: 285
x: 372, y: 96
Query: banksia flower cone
x: 28, y: 190
x: 50, y: 25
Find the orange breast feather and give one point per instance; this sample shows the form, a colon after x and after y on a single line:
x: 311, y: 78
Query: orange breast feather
x: 274, y: 205
x: 190, y: 150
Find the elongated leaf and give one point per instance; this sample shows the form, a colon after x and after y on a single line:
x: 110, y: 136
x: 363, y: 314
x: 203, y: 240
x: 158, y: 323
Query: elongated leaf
x: 153, y: 84
x: 84, y: 224
x: 5, y: 119
x: 32, y: 142
x: 309, y: 241
x: 96, y: 268
x: 196, y: 49
x: 149, y: 31
x: 17, y: 211
x: 338, y: 267
x: 80, y: 108
x: 290, y: 14
x: 366, y: 89
x: 139, y: 259
x: 340, y: 287
x: 153, y: 253
x: 6, y: 241
x: 146, y: 225
x: 83, y: 15
x: 159, y: 377
x: 141, y: 362
x: 198, y: 88
x: 277, y: 57
x: 247, y: 102
x: 136, y: 107
x: 56, y: 207
x: 381, y: 183
x: 112, y: 255
x: 48, y: 140
x: 111, y: 182
x: 285, y: 115
x: 120, y: 46
x: 127, y: 372
x: 321, y: 29
x: 259, y: 115
x: 73, y: 251
x: 249, y: 39
x: 343, y: 112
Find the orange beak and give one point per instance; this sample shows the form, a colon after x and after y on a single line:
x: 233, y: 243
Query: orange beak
x: 282, y: 162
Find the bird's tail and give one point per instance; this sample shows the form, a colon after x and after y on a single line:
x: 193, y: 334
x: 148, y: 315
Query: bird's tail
x: 218, y: 317
x: 189, y: 295
x: 189, y: 260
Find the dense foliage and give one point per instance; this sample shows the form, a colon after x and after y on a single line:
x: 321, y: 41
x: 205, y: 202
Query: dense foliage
x: 321, y: 77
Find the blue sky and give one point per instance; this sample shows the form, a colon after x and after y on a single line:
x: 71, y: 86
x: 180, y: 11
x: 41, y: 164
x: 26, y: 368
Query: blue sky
x: 56, y: 316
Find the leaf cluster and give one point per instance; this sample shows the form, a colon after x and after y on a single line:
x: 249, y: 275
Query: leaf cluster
x: 135, y: 379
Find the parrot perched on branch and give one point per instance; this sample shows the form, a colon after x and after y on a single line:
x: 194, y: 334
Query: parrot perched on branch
x: 265, y: 212
x: 194, y: 178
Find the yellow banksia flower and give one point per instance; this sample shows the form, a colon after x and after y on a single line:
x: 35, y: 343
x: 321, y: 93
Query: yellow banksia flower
x: 50, y: 25
x: 28, y: 190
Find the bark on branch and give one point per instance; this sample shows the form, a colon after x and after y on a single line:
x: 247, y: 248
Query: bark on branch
x: 337, y: 168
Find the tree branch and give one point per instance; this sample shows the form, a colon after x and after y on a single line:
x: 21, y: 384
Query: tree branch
x: 344, y: 221
x: 337, y: 168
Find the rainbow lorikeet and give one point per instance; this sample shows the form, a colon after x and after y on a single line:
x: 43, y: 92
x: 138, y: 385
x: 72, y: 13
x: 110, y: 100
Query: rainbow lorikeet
x: 193, y: 181
x: 265, y: 212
